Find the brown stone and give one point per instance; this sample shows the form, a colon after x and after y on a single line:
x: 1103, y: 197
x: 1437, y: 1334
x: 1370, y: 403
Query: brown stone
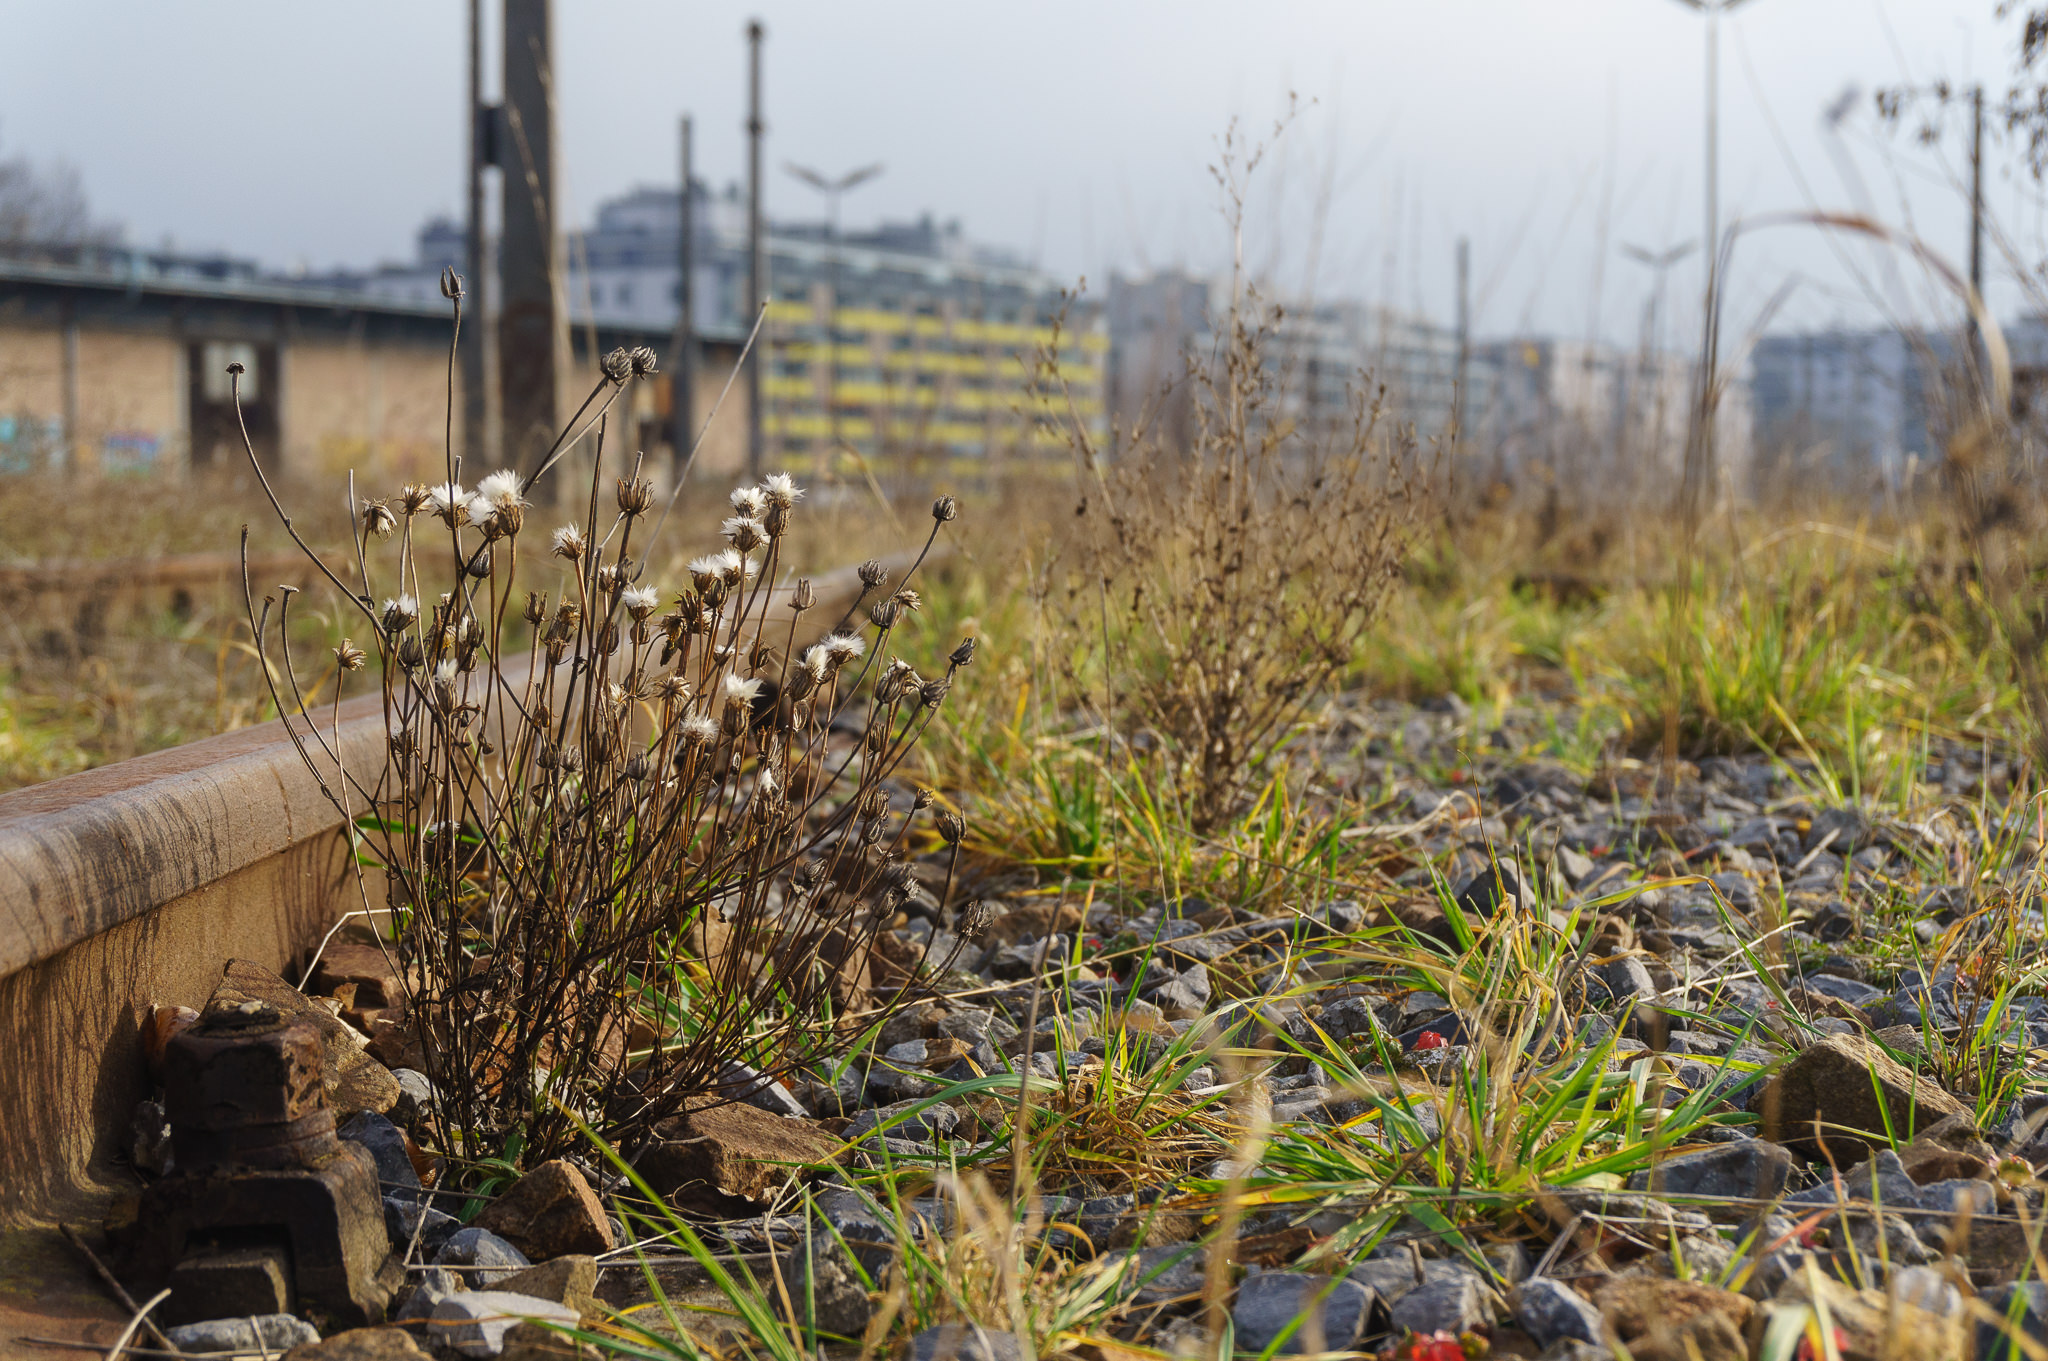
x: 365, y: 967
x: 569, y: 1279
x: 360, y: 1344
x: 1852, y: 1088
x: 353, y: 1080
x: 731, y: 1150
x: 532, y: 1342
x: 549, y: 1212
x: 1035, y: 922
x: 1666, y: 1320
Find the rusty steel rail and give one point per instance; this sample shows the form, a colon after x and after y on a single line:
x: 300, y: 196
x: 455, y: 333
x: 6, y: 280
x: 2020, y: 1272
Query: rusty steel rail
x: 130, y: 885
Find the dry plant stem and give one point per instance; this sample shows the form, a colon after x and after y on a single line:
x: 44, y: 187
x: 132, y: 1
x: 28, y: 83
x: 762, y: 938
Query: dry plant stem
x: 613, y: 841
x: 1219, y: 1280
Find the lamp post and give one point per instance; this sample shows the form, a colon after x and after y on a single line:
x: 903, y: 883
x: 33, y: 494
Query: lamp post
x: 833, y: 189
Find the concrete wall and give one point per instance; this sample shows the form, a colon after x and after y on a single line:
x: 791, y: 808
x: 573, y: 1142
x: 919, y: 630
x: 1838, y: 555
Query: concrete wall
x: 380, y: 410
x: 131, y: 395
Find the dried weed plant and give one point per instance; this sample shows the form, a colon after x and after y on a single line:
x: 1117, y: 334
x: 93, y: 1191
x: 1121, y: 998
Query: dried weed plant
x: 1234, y: 577
x: 660, y: 843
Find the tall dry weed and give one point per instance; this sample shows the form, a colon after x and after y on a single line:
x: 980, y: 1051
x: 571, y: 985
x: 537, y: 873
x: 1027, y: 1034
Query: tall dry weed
x: 1235, y: 576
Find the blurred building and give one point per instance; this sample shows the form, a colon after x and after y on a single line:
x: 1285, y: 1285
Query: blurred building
x: 1323, y: 359
x: 1592, y: 414
x: 1845, y: 405
x: 904, y: 340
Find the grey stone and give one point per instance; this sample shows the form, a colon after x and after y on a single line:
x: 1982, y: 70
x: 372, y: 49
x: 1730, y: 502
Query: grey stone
x: 825, y: 1289
x: 387, y: 1145
x: 404, y: 1218
x: 263, y: 1333
x: 967, y: 1342
x: 923, y: 1126
x: 475, y: 1322
x: 1576, y: 866
x: 1482, y: 895
x: 1751, y: 1168
x: 1957, y: 1195
x: 2022, y: 1311
x: 761, y: 1092
x: 1549, y: 1309
x: 1271, y: 1302
x: 429, y: 1288
x: 1457, y: 1305
x: 1571, y: 1349
x: 1882, y: 1180
x: 1850, y: 990
x: 480, y: 1257
x: 417, y: 1095
x: 867, y: 1239
x: 1163, y: 1274
x: 1622, y: 982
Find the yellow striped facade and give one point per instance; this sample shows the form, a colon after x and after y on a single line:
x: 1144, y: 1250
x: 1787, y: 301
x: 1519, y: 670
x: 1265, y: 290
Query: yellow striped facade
x: 914, y: 383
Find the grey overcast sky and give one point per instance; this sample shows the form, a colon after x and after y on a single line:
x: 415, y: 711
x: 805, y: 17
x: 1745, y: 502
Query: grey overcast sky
x: 1548, y: 131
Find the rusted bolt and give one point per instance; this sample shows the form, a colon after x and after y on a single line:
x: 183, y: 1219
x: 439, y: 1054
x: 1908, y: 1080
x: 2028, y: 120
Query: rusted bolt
x: 242, y: 1088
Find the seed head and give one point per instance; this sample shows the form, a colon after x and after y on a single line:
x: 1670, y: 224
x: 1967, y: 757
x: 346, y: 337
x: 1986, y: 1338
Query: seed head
x: 378, y: 519
x: 776, y: 522
x: 479, y: 565
x: 884, y: 613
x: 643, y: 361
x: 640, y: 601
x: 744, y: 533
x: 672, y: 689
x: 536, y: 607
x: 841, y: 648
x: 607, y: 578
x: 568, y: 543
x: 872, y: 574
x: 637, y: 767
x: 951, y: 826
x: 706, y: 571
x: 804, y: 596
x: 945, y: 508
x: 236, y: 369
x: 451, y: 284
x: 908, y: 599
x: 750, y: 502
x: 975, y: 920
x: 923, y: 798
x: 962, y: 654
x: 412, y: 498
x: 349, y: 656
x: 781, y: 490
x: 448, y: 501
x: 735, y: 567
x: 933, y: 692
x: 410, y: 654
x: 618, y: 365
x: 400, y: 613
x: 636, y: 495
x: 697, y: 730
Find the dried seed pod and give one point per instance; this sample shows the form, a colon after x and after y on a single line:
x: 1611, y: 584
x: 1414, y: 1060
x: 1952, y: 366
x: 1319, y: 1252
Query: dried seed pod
x: 776, y: 522
x: 378, y: 519
x: 451, y: 284
x: 884, y: 613
x: 536, y: 607
x: 348, y: 656
x: 933, y: 692
x: 411, y: 655
x: 618, y: 365
x: 962, y: 654
x: 644, y: 361
x: 635, y: 495
x: 872, y: 574
x: 923, y: 798
x: 952, y: 827
x: 975, y: 919
x: 804, y: 596
x: 944, y: 509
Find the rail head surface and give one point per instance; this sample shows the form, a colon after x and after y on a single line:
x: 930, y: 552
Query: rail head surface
x: 84, y: 853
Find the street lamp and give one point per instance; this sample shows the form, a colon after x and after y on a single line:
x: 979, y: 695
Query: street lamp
x: 832, y: 189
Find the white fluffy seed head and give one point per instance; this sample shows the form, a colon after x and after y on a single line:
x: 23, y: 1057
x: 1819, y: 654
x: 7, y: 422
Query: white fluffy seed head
x: 844, y: 647
x: 568, y: 543
x: 739, y: 691
x: 780, y: 489
x: 697, y: 730
x: 639, y: 601
x: 501, y: 488
x: 448, y: 500
x: 750, y: 502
